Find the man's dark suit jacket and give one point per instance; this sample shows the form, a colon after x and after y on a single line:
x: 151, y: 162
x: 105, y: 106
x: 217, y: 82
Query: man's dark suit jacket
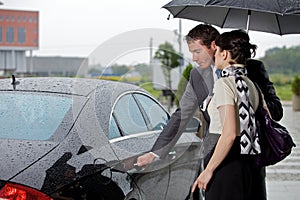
x: 197, y: 90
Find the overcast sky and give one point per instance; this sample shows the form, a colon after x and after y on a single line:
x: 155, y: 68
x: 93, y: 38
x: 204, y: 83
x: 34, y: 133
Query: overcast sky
x: 79, y: 28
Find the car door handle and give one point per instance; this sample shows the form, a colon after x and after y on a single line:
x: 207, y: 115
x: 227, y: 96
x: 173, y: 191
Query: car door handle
x: 136, y: 169
x: 172, y: 155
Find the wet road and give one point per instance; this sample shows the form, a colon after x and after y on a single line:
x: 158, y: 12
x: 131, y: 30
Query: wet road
x: 283, y: 179
x: 288, y: 169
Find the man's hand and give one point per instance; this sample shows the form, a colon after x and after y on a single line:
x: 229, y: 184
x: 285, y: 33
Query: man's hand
x: 145, y: 159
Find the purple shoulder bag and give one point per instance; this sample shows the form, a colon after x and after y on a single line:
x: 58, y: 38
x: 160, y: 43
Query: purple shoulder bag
x: 275, y: 141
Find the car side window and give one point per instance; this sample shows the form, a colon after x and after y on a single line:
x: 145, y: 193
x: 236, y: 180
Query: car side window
x: 113, y: 129
x: 157, y: 116
x: 128, y: 116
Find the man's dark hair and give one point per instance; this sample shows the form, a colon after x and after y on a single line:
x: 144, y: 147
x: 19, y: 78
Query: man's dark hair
x: 204, y: 32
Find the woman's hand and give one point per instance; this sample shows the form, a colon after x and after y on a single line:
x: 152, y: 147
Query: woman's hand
x: 202, y: 180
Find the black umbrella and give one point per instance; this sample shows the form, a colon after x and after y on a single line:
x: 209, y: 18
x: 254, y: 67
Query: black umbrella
x: 272, y: 16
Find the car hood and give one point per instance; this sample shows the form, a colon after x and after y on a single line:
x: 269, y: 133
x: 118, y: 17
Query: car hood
x: 17, y: 155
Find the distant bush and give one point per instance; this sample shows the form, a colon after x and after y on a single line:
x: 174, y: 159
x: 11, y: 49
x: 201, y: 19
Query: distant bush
x: 296, y: 86
x: 281, y: 79
x: 149, y: 87
x: 284, y: 92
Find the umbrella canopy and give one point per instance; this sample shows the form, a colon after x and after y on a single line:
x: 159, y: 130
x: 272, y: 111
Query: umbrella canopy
x: 273, y: 16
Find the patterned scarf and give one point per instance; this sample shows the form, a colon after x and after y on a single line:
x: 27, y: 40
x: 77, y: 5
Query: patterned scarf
x: 249, y: 141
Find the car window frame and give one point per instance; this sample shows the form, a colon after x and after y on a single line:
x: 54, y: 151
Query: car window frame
x: 148, y: 115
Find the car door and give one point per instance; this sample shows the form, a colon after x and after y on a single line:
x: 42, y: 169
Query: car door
x: 137, y: 120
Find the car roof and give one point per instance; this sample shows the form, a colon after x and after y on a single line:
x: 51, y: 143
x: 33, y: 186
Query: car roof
x: 63, y: 85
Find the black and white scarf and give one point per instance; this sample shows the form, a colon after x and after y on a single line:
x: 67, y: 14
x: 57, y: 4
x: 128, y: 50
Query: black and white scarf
x: 249, y: 141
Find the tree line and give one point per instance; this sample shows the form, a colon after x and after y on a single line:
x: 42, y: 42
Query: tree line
x: 283, y: 60
x: 278, y: 61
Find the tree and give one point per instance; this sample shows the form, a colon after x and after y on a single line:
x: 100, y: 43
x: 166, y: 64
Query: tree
x: 145, y: 71
x: 169, y: 59
x: 183, y: 82
x: 282, y: 60
x: 119, y: 69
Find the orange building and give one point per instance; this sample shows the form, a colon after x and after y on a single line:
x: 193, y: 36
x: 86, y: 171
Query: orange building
x: 19, y: 32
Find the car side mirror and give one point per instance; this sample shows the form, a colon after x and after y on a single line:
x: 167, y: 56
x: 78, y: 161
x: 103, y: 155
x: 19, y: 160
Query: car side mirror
x: 193, y: 125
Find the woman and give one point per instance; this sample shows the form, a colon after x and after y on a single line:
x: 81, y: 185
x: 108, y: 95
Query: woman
x: 227, y: 175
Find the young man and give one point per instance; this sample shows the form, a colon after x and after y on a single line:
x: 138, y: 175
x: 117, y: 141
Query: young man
x: 201, y: 44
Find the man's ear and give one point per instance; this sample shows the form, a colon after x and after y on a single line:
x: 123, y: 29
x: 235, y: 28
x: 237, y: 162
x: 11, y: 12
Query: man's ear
x: 213, y: 46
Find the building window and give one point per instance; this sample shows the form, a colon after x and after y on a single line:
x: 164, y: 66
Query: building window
x: 12, y: 18
x: 0, y: 17
x: 30, y: 19
x: 7, y: 18
x: 19, y: 18
x: 1, y: 34
x: 21, y: 35
x: 9, y: 34
x: 24, y: 18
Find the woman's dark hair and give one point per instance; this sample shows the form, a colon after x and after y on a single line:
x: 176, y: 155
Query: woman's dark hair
x: 237, y: 43
x: 204, y: 32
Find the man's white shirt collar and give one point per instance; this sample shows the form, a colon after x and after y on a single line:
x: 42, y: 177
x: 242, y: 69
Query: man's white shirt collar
x: 214, y: 72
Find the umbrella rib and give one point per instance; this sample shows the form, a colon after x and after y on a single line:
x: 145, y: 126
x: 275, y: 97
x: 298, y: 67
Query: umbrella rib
x: 278, y: 24
x: 180, y: 11
x: 225, y: 17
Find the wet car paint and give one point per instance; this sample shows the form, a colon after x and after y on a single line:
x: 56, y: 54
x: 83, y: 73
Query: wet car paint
x: 80, y: 148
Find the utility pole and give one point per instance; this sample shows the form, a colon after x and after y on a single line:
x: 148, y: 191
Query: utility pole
x: 151, y: 50
x: 180, y: 47
x: 178, y: 33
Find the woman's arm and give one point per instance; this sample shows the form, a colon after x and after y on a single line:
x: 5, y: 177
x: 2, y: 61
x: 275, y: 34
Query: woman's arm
x: 224, y: 144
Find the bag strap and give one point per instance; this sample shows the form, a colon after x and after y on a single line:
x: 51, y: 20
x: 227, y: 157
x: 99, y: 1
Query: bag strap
x: 261, y: 99
x: 260, y: 102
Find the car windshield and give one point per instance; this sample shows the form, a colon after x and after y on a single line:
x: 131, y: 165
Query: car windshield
x: 31, y: 116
